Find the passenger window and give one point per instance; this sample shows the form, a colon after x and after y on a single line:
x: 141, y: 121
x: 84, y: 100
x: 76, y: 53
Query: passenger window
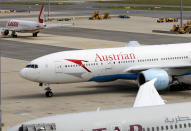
x: 176, y: 126
x: 166, y: 127
x: 184, y: 125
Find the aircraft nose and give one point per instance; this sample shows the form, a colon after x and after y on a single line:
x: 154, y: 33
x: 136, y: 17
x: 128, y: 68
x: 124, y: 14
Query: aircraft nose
x: 15, y: 128
x: 23, y: 73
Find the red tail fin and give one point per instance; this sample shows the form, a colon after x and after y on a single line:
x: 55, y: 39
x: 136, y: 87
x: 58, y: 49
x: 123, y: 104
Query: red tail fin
x: 41, y: 15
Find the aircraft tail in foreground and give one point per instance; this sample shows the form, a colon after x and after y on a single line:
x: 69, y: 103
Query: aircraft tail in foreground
x: 148, y: 95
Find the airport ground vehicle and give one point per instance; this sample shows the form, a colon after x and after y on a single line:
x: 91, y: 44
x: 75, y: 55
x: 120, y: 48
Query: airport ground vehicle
x: 160, y: 20
x: 186, y: 29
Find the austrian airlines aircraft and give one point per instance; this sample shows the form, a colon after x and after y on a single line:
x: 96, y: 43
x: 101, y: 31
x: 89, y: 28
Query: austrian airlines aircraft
x: 148, y: 114
x: 170, y: 64
x: 25, y: 26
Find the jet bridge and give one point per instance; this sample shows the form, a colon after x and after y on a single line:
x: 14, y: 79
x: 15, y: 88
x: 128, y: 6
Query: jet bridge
x: 38, y: 127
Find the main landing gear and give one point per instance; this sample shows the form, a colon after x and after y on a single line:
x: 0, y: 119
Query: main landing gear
x: 14, y: 35
x: 35, y: 34
x: 48, y: 90
x: 179, y: 86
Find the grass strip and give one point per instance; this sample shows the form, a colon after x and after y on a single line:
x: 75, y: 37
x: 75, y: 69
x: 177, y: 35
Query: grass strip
x: 34, y: 3
x: 150, y: 2
x: 143, y: 8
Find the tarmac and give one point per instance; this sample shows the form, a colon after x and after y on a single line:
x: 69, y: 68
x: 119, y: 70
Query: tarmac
x: 23, y: 100
x: 81, y: 8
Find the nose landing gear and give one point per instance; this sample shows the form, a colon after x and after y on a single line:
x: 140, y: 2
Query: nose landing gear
x: 48, y: 90
x: 48, y: 93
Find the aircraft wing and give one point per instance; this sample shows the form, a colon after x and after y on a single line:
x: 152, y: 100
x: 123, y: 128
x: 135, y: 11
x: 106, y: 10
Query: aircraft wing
x: 136, y: 69
x: 5, y: 28
x: 148, y: 95
x: 57, y: 25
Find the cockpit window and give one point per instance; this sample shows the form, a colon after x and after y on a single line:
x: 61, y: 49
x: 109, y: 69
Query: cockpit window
x: 28, y: 66
x: 32, y: 66
x: 35, y: 66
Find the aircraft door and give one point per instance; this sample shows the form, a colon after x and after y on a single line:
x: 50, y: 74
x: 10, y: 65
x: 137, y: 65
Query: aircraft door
x: 104, y: 68
x: 58, y: 67
x: 108, y: 65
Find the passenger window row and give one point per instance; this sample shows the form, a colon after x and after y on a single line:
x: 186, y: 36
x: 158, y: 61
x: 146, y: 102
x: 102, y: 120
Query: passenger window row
x: 168, y: 127
x: 144, y: 60
x: 76, y: 65
x: 94, y: 64
x: 175, y: 58
x: 130, y: 61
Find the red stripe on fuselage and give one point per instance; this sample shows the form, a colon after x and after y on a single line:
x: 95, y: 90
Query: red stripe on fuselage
x: 33, y: 30
x: 79, y: 62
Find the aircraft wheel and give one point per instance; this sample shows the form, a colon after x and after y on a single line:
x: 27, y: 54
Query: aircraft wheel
x: 178, y: 87
x: 14, y: 36
x: 35, y: 34
x: 49, y: 94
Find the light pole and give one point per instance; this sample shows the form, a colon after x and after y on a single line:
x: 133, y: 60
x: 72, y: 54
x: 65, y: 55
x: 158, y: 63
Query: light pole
x: 0, y: 97
x: 181, y: 17
x: 48, y: 8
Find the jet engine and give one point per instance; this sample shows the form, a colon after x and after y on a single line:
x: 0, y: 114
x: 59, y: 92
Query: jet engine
x: 4, y: 32
x: 163, y: 79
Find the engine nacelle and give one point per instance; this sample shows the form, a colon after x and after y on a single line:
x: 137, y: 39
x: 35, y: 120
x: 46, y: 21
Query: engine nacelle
x: 162, y: 76
x: 4, y: 32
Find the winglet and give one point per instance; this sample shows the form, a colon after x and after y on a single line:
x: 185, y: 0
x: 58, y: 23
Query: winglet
x: 148, y: 95
x: 41, y: 15
x: 133, y: 44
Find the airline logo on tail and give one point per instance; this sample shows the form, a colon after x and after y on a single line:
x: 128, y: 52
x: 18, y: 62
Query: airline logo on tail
x: 41, y: 15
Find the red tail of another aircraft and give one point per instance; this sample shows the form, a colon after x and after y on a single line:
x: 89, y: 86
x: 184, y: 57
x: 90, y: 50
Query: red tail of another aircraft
x: 41, y: 15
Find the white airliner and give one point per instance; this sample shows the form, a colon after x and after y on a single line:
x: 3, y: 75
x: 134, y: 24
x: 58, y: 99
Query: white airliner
x: 149, y: 113
x: 23, y: 26
x: 170, y: 64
